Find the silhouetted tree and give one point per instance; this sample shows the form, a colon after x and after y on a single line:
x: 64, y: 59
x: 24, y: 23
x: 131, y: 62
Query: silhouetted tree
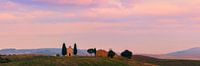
x: 127, y: 54
x: 4, y: 60
x: 95, y: 51
x: 111, y: 53
x: 90, y: 51
x: 75, y: 49
x: 64, y: 50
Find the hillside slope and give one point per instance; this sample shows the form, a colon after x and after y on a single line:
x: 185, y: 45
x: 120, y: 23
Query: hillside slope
x: 138, y: 60
x: 31, y: 60
x: 166, y: 62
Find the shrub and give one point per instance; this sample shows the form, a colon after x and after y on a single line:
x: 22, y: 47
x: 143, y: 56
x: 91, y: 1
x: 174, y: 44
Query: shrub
x: 2, y: 60
x: 58, y: 55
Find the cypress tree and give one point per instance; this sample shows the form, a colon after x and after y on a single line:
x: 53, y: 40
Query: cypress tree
x: 75, y: 49
x: 95, y: 51
x: 64, y: 50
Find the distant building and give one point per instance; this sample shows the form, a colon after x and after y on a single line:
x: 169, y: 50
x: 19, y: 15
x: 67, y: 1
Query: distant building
x: 101, y: 53
x: 69, y: 51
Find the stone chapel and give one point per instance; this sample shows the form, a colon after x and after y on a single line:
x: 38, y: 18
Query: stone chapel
x: 70, y: 51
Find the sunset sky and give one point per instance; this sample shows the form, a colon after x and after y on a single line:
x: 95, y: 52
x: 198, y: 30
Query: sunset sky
x: 142, y: 26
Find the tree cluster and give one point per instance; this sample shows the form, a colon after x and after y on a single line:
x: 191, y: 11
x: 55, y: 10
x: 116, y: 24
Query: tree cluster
x: 92, y: 51
x: 127, y: 54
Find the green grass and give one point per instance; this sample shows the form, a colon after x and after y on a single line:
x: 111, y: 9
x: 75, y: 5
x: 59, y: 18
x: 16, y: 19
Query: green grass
x: 31, y: 60
x: 166, y: 62
x: 66, y: 61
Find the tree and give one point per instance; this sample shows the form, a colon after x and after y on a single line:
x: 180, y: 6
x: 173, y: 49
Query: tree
x: 4, y: 60
x: 127, y: 54
x: 95, y: 51
x: 64, y: 50
x: 75, y: 49
x: 111, y: 53
x: 90, y: 51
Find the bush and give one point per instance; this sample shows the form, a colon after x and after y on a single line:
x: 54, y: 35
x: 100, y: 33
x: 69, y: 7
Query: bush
x: 2, y: 60
x: 57, y: 55
x: 127, y: 54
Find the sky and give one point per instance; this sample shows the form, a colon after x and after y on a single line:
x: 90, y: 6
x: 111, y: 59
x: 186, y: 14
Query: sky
x: 142, y: 26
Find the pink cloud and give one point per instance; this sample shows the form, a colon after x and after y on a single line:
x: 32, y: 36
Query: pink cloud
x: 10, y: 5
x: 55, y: 29
x: 7, y: 16
x: 29, y: 16
x: 161, y: 9
x: 158, y: 8
x: 196, y: 19
x: 65, y: 2
x: 155, y: 32
x: 101, y: 3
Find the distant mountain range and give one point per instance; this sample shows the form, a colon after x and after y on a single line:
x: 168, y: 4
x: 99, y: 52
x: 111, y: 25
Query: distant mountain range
x: 193, y: 53
x: 45, y: 51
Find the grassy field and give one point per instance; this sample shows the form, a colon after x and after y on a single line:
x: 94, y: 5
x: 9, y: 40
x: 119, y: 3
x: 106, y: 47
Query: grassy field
x: 166, y: 62
x: 39, y: 60
x: 31, y: 60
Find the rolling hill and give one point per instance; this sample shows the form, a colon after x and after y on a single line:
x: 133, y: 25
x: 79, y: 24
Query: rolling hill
x: 192, y: 54
x: 40, y: 60
x: 166, y: 62
x: 137, y: 60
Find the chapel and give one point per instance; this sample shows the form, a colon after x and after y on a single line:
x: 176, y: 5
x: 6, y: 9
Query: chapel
x: 69, y: 51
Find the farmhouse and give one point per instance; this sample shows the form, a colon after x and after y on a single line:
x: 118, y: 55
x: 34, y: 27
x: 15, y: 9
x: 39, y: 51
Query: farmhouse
x: 101, y: 53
